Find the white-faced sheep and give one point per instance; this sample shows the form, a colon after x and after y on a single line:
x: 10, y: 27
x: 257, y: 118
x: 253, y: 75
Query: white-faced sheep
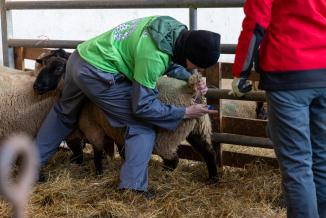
x: 196, y: 131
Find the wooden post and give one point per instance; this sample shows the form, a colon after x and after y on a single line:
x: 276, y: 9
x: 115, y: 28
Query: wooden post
x: 213, y: 78
x: 19, y: 54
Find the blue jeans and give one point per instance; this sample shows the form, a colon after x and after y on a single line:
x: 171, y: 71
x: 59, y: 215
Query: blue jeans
x: 297, y: 127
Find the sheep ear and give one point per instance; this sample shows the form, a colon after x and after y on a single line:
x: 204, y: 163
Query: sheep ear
x: 63, y: 54
x: 40, y: 61
x: 66, y: 56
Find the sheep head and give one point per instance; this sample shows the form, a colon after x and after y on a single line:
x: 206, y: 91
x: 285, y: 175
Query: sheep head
x: 49, y: 69
x: 192, y: 82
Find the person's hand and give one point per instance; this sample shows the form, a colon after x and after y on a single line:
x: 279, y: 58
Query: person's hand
x: 197, y: 110
x: 241, y: 86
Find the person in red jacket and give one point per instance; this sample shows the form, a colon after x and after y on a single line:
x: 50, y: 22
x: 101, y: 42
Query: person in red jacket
x: 288, y: 37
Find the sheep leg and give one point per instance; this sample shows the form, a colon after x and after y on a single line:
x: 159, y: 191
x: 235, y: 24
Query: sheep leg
x: 121, y: 150
x: 108, y: 146
x: 203, y: 148
x: 76, y: 142
x: 76, y: 146
x: 171, y: 164
x: 102, y: 143
x: 98, y: 154
x: 168, y: 153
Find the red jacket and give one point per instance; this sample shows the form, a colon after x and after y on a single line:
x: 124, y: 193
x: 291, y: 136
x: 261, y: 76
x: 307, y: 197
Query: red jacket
x: 291, y: 37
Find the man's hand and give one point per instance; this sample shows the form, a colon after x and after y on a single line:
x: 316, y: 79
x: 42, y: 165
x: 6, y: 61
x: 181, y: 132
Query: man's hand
x: 241, y: 86
x: 197, y: 110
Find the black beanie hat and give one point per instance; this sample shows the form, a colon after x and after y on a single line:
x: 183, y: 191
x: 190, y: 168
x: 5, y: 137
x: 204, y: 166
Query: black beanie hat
x: 202, y: 48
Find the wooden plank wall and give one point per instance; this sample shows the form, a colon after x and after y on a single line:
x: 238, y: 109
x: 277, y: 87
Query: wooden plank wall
x: 21, y: 54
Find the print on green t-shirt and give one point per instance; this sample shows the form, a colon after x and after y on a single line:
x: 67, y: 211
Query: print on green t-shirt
x: 127, y: 49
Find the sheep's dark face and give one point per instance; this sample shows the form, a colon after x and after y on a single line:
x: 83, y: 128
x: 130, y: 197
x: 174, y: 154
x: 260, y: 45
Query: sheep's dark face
x: 52, y: 68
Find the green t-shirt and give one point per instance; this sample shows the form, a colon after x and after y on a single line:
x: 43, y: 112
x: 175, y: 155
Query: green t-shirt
x: 128, y: 49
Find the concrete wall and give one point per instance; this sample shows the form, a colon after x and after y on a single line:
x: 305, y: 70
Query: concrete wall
x: 84, y: 24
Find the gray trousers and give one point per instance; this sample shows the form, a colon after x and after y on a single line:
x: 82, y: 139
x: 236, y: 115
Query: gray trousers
x: 113, y: 94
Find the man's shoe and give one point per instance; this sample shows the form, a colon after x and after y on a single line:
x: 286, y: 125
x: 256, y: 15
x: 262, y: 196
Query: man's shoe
x: 146, y: 194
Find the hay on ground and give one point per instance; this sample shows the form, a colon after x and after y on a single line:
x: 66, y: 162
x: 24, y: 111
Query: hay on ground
x: 76, y: 192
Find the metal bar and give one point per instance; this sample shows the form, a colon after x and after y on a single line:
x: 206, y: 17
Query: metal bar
x: 235, y: 139
x: 11, y: 58
x: 228, y: 48
x: 36, y: 43
x: 103, y: 4
x: 33, y: 43
x: 214, y: 93
x: 7, y: 31
x: 192, y: 18
x: 4, y: 34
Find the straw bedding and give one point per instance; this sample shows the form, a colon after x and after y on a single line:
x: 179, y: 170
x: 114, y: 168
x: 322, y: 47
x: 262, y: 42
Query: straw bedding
x: 76, y: 192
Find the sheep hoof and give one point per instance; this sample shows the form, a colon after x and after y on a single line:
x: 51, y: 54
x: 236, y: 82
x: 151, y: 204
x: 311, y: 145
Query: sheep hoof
x: 99, y: 172
x: 121, y: 151
x: 170, y: 164
x: 213, y: 180
x: 77, y: 159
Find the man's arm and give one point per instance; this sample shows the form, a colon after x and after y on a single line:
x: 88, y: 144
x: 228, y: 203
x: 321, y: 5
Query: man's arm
x: 256, y: 21
x: 178, y: 72
x: 147, y: 106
